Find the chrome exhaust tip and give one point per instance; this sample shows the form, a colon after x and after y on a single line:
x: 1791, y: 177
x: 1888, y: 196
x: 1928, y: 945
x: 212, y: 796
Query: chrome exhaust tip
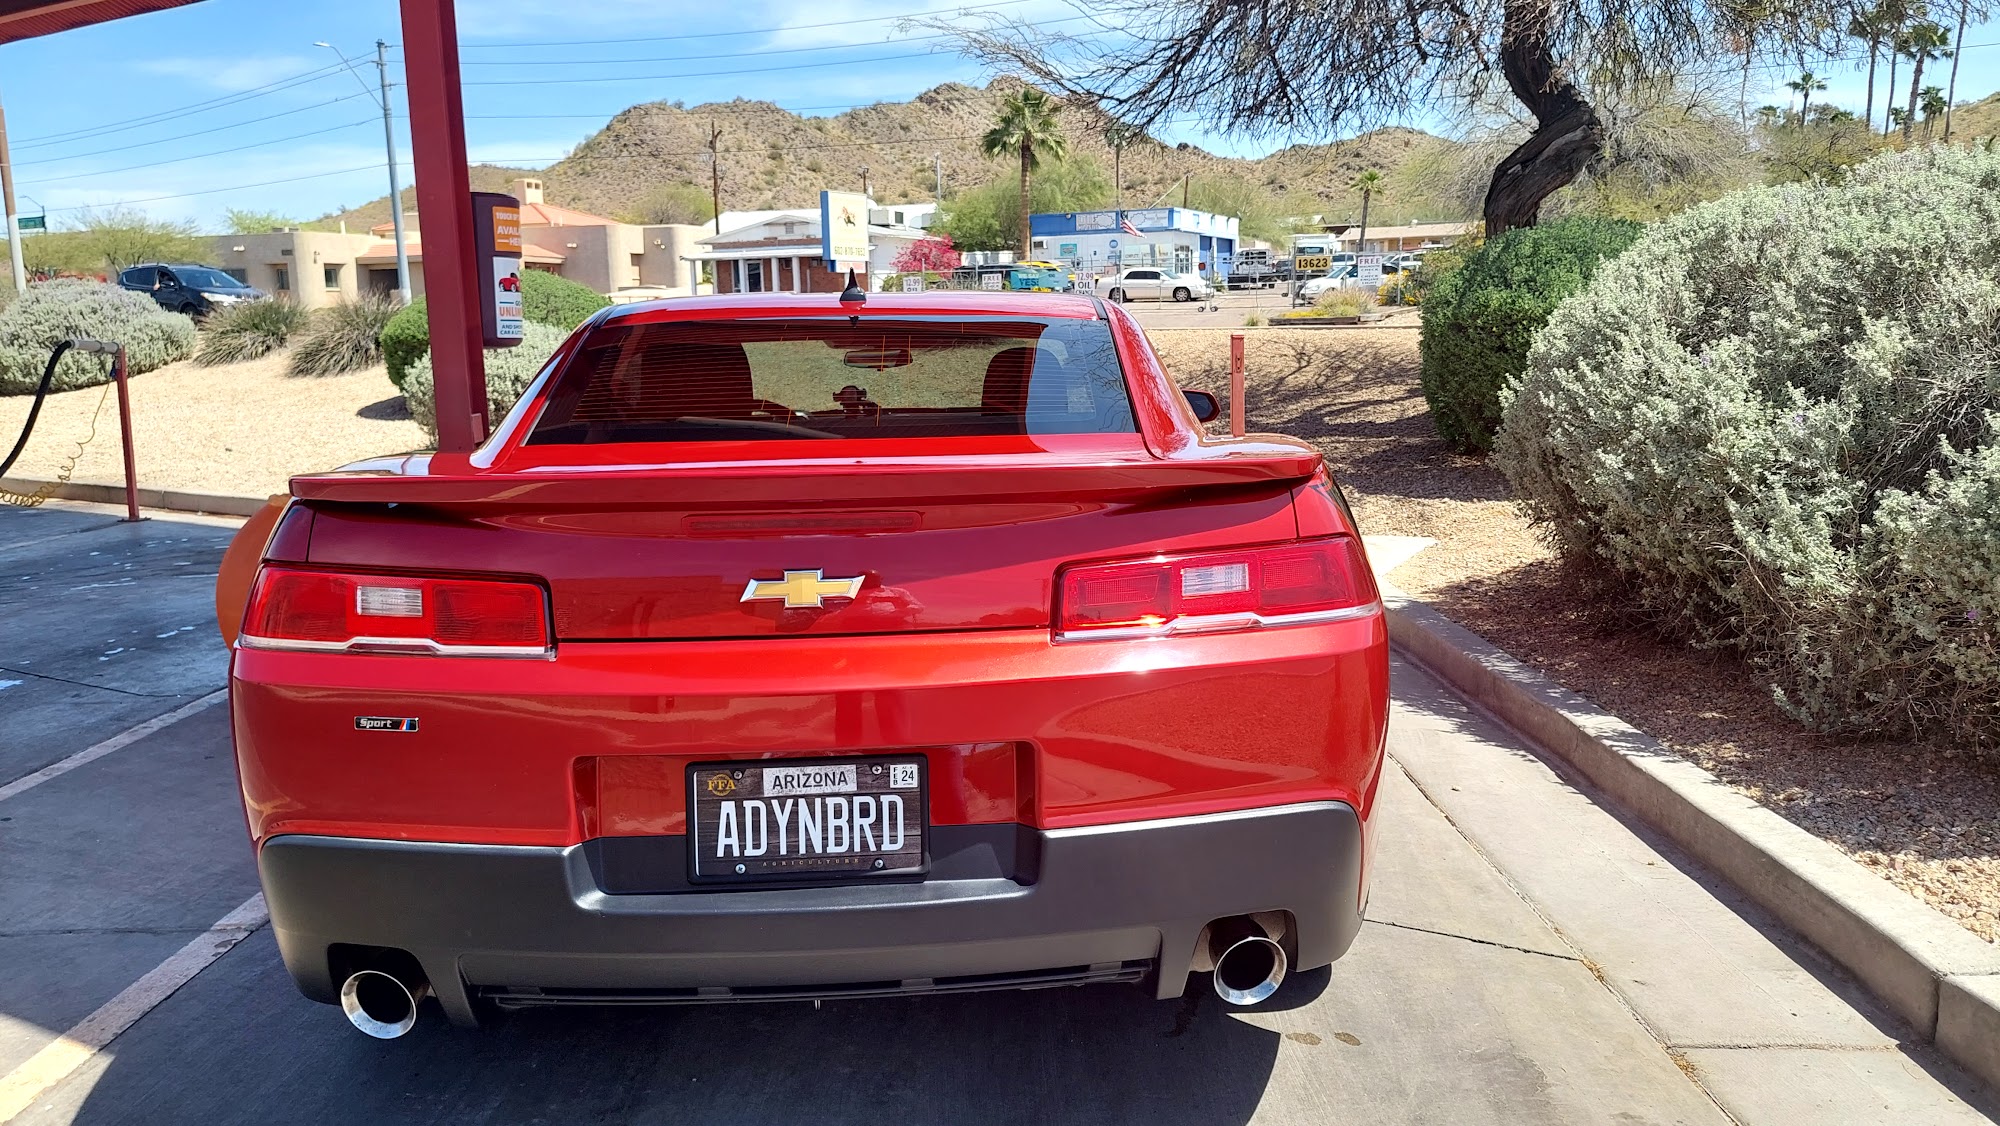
x: 1250, y: 965
x: 381, y: 1005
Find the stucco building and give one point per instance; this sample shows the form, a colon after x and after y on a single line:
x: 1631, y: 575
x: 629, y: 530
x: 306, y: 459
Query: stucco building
x: 621, y: 260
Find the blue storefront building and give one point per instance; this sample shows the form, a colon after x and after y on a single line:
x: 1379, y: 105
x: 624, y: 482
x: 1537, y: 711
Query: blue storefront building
x: 1175, y: 238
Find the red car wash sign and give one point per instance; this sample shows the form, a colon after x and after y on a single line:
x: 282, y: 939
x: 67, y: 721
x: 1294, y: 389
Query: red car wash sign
x: 507, y: 273
x: 496, y: 235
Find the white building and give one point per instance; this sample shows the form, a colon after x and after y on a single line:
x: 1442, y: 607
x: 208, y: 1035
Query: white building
x: 779, y: 251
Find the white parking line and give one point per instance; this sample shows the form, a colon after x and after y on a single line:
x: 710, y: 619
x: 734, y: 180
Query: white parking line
x: 50, y: 1066
x: 124, y: 738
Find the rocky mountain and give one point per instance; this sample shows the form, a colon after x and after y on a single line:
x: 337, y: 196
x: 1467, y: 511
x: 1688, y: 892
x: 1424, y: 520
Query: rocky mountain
x: 771, y: 157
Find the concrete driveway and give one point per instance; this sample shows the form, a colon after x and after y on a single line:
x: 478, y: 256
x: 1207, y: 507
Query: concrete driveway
x: 1530, y: 957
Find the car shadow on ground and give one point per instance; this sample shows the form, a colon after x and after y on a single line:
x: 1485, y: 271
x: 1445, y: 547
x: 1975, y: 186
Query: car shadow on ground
x: 1101, y: 1054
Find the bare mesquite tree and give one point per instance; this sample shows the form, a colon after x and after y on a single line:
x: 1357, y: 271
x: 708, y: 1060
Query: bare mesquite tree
x: 1317, y: 67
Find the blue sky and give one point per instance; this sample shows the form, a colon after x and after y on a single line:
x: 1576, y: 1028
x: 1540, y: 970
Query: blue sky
x: 221, y: 135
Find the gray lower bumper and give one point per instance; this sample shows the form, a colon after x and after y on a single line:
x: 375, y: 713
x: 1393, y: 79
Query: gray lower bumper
x: 1097, y: 903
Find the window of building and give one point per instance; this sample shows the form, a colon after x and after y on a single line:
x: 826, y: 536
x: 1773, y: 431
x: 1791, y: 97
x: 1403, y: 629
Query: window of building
x: 753, y: 277
x: 332, y: 276
x: 284, y: 277
x: 637, y: 261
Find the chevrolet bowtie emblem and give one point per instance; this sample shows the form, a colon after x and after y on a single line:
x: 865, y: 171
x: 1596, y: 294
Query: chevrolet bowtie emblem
x: 800, y: 589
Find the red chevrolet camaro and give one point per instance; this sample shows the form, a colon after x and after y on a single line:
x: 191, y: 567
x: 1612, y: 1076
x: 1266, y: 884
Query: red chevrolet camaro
x: 785, y: 647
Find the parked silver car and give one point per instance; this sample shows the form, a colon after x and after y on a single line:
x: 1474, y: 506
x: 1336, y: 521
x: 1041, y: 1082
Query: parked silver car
x: 1148, y: 283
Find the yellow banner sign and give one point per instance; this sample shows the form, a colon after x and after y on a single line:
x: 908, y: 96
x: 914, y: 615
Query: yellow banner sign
x: 1313, y: 263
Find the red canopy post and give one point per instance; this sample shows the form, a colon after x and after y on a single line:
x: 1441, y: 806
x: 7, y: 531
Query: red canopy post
x: 444, y: 216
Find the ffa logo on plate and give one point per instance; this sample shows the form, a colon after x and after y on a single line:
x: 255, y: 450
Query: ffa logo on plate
x: 801, y: 589
x: 721, y: 785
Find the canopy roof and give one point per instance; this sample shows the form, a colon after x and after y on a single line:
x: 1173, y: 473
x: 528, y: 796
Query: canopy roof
x: 25, y: 19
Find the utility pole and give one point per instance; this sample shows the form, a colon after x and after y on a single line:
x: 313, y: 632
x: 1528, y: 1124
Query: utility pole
x: 1186, y: 179
x: 864, y: 184
x: 7, y: 197
x: 1118, y: 177
x: 715, y: 171
x: 403, y: 290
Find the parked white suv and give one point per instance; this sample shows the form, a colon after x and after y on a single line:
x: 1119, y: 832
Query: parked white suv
x: 1153, y: 284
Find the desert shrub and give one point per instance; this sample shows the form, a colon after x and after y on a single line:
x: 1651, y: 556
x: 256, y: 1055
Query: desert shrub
x: 344, y: 337
x: 508, y: 373
x: 545, y: 299
x: 1480, y: 318
x: 248, y: 330
x: 405, y: 340
x: 1775, y: 423
x: 60, y: 310
x: 1335, y: 303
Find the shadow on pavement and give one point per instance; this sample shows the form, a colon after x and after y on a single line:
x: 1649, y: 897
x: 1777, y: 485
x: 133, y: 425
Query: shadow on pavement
x: 1084, y: 1055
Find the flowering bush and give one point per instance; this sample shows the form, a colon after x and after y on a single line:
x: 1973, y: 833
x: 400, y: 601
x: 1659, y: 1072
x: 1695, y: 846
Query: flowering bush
x: 508, y: 373
x: 1775, y: 423
x: 61, y: 310
x: 927, y: 255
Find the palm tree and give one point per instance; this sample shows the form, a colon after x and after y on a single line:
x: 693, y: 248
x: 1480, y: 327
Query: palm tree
x: 1867, y: 27
x: 1932, y: 102
x: 1769, y: 116
x: 1119, y: 134
x: 1803, y: 86
x: 1026, y: 125
x: 1924, y: 41
x: 1951, y: 86
x: 1368, y: 184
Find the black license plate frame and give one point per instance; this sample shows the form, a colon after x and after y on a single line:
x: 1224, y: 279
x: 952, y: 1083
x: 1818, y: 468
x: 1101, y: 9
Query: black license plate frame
x: 875, y: 776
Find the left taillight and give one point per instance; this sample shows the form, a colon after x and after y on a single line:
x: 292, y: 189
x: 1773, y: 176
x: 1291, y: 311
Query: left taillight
x: 1216, y: 591
x: 332, y: 611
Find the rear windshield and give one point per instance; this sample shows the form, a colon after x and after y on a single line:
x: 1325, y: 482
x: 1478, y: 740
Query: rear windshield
x: 708, y: 381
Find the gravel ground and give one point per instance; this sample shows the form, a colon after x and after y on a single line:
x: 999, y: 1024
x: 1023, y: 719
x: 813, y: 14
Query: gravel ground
x: 1928, y: 820
x: 242, y: 429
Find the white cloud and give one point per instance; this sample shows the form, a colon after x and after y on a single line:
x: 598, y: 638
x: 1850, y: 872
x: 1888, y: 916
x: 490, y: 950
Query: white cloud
x: 234, y: 74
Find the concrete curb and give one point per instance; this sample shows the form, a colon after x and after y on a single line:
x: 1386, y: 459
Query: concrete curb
x: 1926, y: 968
x: 170, y: 500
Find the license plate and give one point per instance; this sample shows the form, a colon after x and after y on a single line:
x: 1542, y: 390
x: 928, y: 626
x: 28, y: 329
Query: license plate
x: 791, y: 818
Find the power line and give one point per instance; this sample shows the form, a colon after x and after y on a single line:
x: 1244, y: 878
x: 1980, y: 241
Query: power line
x: 217, y: 191
x: 738, y: 54
x: 182, y: 111
x: 696, y: 73
x: 185, y: 136
x: 202, y: 156
x: 749, y: 31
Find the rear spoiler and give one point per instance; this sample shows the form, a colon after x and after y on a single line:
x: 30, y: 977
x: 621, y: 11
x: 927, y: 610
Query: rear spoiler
x: 702, y: 485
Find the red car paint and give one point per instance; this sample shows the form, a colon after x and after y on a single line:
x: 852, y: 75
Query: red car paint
x: 645, y: 549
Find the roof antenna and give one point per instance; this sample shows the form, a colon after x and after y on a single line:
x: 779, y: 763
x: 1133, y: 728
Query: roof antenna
x: 853, y: 294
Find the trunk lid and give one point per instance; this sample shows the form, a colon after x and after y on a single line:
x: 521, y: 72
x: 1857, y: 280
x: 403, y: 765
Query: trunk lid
x: 732, y: 549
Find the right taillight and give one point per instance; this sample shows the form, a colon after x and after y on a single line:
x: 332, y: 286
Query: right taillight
x: 1246, y: 588
x: 331, y: 611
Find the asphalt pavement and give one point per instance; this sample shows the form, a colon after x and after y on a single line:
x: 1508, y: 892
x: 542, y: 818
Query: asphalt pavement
x: 1530, y: 956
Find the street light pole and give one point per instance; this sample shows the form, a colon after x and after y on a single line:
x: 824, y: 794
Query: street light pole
x: 389, y: 142
x: 7, y: 198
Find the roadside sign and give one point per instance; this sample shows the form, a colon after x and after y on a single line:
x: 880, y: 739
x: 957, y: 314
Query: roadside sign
x: 993, y: 281
x: 913, y: 283
x: 1368, y: 270
x: 1312, y: 263
x: 32, y: 222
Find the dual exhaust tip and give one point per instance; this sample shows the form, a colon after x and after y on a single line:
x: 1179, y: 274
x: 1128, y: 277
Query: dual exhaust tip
x: 1248, y: 960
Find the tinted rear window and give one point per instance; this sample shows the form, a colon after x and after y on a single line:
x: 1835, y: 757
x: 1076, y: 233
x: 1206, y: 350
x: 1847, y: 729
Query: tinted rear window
x: 833, y: 378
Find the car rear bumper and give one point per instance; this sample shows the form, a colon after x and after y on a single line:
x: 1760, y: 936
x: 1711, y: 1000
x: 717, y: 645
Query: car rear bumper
x: 525, y: 925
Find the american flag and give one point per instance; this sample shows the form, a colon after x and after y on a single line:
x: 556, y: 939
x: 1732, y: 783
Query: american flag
x: 1127, y: 226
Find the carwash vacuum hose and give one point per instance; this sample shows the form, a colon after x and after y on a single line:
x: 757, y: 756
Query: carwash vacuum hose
x: 42, y: 392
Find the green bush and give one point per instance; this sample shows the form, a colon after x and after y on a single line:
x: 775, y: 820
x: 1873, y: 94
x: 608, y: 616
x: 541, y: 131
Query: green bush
x: 61, y: 310
x: 405, y: 340
x: 343, y: 338
x: 1775, y: 422
x: 545, y: 299
x: 248, y: 330
x: 508, y: 373
x: 1480, y: 318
